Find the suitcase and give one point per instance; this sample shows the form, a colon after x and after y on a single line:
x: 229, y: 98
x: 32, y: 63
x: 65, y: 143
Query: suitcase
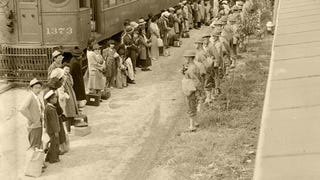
x: 82, y: 131
x: 81, y: 120
x: 166, y: 53
x: 34, y: 162
x: 185, y: 35
x: 176, y: 43
x: 106, y: 94
x: 93, y: 99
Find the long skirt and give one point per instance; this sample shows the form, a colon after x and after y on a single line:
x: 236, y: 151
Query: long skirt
x: 96, y: 80
x: 53, y: 153
x: 154, y: 47
x: 34, y: 137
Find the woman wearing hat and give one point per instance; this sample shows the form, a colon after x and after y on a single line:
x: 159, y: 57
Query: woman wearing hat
x: 191, y: 85
x: 95, y: 69
x: 77, y: 76
x: 109, y: 56
x: 144, y: 45
x: 57, y: 57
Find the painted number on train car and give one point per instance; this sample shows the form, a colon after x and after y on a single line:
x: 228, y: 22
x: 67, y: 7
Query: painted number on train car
x: 61, y: 30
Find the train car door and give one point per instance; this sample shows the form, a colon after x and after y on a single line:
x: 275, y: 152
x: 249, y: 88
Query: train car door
x: 29, y: 21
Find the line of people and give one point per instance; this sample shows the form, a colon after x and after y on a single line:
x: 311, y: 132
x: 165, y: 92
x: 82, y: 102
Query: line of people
x: 214, y: 57
x: 64, y: 95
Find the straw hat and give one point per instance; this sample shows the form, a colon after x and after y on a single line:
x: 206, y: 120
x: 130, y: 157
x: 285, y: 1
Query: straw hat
x: 56, y: 53
x: 141, y: 21
x: 76, y: 52
x: 49, y: 94
x: 34, y: 81
x: 129, y: 29
x: 189, y: 53
x: 216, y: 32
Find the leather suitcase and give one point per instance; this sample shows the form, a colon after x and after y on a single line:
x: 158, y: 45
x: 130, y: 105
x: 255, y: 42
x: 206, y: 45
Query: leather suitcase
x: 82, y: 131
x: 106, y: 94
x: 176, y: 43
x: 93, y: 99
x: 81, y: 120
x: 186, y: 35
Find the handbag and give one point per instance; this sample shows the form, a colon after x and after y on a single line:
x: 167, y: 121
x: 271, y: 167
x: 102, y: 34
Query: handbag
x: 188, y: 86
x: 160, y: 42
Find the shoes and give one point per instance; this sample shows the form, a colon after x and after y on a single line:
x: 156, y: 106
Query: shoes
x: 191, y: 129
x: 54, y: 161
x: 131, y: 82
x: 196, y: 124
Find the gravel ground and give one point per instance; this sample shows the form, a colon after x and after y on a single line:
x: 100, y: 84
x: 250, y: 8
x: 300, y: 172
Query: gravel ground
x: 128, y: 130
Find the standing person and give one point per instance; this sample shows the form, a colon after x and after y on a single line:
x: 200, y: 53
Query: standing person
x: 191, y: 89
x: 52, y: 126
x: 185, y: 14
x: 67, y: 97
x: 235, y: 39
x: 164, y: 28
x: 128, y: 42
x: 54, y: 83
x: 95, y: 68
x: 32, y: 109
x: 144, y: 54
x: 77, y: 76
x: 207, y: 13
x: 121, y: 78
x: 155, y: 34
x: 57, y: 57
x: 109, y: 57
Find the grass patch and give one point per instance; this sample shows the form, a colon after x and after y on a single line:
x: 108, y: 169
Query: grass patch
x: 224, y: 147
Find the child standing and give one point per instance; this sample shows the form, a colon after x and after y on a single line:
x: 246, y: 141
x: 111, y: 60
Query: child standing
x: 52, y: 126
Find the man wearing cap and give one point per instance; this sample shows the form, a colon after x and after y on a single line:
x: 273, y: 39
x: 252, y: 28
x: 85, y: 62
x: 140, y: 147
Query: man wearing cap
x: 192, y: 75
x: 215, y: 51
x: 77, y: 76
x: 51, y: 121
x: 57, y: 57
x: 32, y: 110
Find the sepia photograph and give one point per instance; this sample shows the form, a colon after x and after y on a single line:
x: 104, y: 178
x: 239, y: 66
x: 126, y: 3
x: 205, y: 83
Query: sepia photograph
x: 159, y: 89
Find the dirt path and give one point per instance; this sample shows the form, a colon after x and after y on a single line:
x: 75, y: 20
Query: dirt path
x: 127, y: 130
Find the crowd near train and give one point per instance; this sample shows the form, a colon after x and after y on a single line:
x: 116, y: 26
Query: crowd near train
x: 57, y: 105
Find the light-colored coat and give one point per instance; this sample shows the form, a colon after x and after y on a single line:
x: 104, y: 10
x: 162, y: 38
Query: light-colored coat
x: 31, y: 110
x: 95, y: 68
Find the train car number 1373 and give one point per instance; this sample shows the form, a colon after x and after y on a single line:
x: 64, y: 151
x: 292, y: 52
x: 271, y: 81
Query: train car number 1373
x: 61, y: 30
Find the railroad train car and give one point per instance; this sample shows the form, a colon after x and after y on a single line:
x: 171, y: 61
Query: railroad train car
x: 30, y: 29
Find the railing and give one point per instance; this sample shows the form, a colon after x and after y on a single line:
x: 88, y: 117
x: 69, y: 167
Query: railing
x: 21, y: 64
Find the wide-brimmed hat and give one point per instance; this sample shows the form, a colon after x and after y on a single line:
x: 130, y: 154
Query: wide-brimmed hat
x: 129, y: 29
x: 206, y: 35
x: 171, y: 9
x: 48, y: 94
x: 76, y: 52
x: 232, y: 18
x: 224, y: 19
x: 216, y: 32
x: 199, y: 41
x: 34, y: 81
x: 96, y: 46
x: 134, y: 24
x: 189, y: 53
x: 141, y: 21
x: 56, y: 53
x: 219, y: 22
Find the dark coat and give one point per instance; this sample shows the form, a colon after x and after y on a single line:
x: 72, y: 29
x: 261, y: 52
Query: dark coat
x: 77, y: 76
x: 51, y: 119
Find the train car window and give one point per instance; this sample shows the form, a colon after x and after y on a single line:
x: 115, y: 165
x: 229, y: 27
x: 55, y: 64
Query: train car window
x: 27, y: 0
x: 108, y: 3
x: 57, y: 1
x: 120, y: 1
